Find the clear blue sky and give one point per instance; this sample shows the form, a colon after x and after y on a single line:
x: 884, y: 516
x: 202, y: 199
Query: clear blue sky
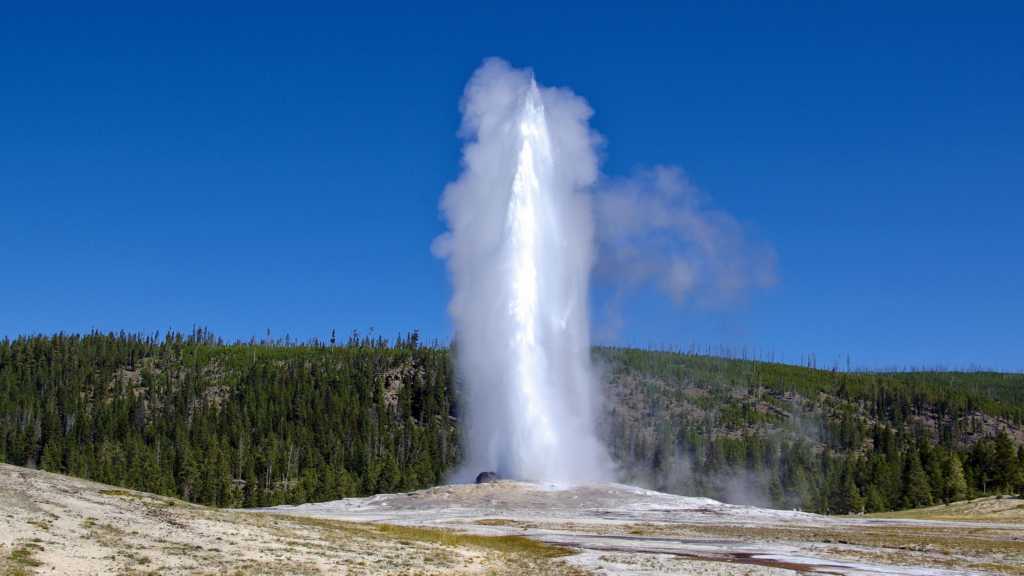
x: 248, y: 167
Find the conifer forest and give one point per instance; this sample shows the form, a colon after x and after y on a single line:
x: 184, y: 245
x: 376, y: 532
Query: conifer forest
x: 269, y: 422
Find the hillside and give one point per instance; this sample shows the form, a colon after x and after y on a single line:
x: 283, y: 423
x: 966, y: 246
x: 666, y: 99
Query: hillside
x: 787, y: 436
x: 229, y: 425
x: 272, y: 422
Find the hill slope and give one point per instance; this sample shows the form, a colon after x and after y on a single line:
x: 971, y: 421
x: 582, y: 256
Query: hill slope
x: 788, y: 436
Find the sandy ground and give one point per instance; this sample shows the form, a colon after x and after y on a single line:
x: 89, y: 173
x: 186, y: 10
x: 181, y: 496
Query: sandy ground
x: 55, y: 524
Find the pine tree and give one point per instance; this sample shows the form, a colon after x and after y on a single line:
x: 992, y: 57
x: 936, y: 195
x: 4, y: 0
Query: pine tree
x: 917, y: 492
x: 775, y: 491
x: 874, y: 502
x: 388, y: 476
x: 1006, y: 475
x: 852, y: 500
x: 956, y: 484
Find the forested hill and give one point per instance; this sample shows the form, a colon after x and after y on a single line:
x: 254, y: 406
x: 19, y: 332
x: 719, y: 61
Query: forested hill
x: 788, y: 436
x: 261, y: 423
x: 243, y: 424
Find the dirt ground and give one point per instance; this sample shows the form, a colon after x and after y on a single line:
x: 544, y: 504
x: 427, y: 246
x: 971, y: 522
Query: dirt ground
x: 55, y: 524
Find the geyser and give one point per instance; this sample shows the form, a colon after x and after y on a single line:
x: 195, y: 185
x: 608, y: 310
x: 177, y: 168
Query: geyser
x: 519, y: 250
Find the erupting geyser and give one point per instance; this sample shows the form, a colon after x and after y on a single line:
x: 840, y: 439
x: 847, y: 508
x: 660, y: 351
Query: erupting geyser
x: 519, y: 250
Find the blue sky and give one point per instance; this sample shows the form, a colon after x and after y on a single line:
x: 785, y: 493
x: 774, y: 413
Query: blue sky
x: 250, y: 167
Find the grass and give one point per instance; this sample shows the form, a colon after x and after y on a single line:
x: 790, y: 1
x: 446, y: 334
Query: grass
x: 504, y: 544
x: 989, y: 509
x: 122, y: 493
x: 405, y: 549
x: 20, y: 561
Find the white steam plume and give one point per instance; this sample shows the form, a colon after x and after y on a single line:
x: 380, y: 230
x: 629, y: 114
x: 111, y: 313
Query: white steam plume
x: 519, y: 250
x: 527, y: 223
x: 656, y: 228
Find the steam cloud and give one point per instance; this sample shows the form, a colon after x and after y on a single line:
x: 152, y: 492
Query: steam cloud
x: 656, y: 228
x: 527, y: 222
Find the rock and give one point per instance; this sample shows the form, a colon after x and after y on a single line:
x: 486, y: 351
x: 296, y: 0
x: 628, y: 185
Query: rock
x: 485, y: 477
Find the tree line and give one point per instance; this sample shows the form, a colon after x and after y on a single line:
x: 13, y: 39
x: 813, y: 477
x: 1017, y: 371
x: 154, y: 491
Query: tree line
x: 253, y: 424
x: 273, y: 422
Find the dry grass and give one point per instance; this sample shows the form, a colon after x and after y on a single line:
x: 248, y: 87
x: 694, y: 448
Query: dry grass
x: 516, y: 545
x: 20, y: 561
x: 123, y: 493
x: 436, y: 551
x: 994, y: 509
x: 498, y: 522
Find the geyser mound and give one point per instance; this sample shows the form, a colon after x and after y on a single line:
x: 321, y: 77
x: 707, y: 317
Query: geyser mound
x: 486, y: 477
x: 519, y: 251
